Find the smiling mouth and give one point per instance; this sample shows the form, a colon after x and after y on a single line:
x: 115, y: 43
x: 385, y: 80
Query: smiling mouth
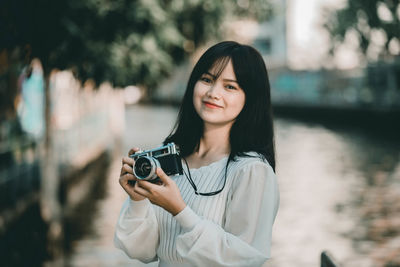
x: 211, y: 105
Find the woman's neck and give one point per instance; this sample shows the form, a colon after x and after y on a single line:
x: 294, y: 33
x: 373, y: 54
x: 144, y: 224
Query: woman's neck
x: 214, y: 142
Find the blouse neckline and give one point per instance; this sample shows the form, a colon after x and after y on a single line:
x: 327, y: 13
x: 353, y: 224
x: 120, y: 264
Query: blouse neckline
x: 205, y: 166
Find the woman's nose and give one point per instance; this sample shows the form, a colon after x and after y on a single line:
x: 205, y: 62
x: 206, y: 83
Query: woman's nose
x: 214, y: 91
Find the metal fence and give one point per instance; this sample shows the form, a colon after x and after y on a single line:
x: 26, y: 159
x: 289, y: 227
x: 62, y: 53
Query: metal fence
x: 19, y: 173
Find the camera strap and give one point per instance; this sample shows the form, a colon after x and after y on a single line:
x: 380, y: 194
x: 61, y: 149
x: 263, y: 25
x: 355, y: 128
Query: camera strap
x: 189, y: 177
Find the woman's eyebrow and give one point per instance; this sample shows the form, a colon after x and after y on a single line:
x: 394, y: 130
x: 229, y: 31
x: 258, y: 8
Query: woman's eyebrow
x: 230, y: 80
x: 226, y: 80
x: 210, y: 74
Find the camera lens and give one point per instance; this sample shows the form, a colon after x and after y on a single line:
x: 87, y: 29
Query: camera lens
x: 142, y: 167
x: 145, y: 168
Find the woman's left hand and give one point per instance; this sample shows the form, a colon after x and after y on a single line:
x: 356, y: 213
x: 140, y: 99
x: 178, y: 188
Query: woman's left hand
x: 165, y: 195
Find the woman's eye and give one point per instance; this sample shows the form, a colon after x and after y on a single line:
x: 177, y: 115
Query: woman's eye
x: 206, y: 80
x: 230, y: 87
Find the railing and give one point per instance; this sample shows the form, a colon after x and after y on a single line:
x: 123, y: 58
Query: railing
x: 376, y: 88
x: 85, y: 123
x: 19, y: 179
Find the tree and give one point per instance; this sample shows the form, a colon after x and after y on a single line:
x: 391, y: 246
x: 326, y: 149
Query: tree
x: 124, y: 42
x: 375, y: 23
x: 121, y: 41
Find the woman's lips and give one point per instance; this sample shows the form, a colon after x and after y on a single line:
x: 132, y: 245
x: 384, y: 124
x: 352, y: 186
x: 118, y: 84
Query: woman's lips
x: 211, y: 105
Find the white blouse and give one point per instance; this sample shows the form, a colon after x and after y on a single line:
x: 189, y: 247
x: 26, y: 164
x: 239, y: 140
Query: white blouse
x: 232, y: 228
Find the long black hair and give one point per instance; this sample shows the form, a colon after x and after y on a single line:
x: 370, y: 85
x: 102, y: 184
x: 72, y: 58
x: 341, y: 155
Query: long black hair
x: 253, y: 127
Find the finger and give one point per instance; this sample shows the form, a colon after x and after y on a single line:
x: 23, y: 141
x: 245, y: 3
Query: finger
x: 149, y: 187
x: 127, y: 169
x: 128, y: 177
x: 124, y: 180
x: 141, y: 191
x: 133, y: 150
x: 161, y: 174
x: 128, y: 161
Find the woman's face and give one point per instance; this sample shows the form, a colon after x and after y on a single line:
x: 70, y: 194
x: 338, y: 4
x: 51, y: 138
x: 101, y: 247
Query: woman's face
x: 218, y: 101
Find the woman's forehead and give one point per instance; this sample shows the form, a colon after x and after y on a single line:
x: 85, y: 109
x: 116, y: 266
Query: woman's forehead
x: 219, y: 66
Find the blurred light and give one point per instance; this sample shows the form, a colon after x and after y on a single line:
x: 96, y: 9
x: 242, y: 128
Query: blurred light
x: 149, y: 44
x: 398, y: 12
x: 379, y: 37
x: 132, y: 94
x: 362, y: 23
x: 384, y: 12
x: 394, y: 47
x: 346, y: 57
x: 378, y: 40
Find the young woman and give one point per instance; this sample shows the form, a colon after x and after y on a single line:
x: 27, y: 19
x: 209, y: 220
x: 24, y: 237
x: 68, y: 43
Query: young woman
x: 225, y: 135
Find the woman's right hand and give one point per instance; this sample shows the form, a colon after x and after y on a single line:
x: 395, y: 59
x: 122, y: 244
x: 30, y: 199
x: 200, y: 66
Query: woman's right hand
x: 127, y: 175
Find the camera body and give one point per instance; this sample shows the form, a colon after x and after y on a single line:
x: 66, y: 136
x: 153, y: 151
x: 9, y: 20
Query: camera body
x: 166, y: 157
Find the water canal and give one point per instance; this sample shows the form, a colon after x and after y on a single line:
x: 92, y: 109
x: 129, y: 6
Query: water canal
x: 337, y: 186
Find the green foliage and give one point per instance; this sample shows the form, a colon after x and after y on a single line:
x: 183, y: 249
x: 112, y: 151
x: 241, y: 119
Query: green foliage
x: 122, y: 41
x: 366, y: 18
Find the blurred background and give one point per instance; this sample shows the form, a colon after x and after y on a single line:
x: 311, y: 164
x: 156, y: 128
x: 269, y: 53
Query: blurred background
x: 81, y: 82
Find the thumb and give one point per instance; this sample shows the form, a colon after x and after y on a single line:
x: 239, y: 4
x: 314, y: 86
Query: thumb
x: 164, y: 178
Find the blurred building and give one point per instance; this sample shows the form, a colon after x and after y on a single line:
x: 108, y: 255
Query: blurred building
x: 271, y: 38
x: 373, y: 88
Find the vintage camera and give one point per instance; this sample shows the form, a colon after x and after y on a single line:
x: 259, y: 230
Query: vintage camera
x: 166, y: 157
